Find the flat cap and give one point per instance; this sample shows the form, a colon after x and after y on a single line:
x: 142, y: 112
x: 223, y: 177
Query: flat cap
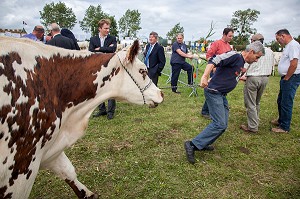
x: 257, y: 37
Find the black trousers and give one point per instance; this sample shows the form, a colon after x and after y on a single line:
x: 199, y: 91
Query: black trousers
x: 176, y: 68
x: 111, y: 106
x: 155, y: 79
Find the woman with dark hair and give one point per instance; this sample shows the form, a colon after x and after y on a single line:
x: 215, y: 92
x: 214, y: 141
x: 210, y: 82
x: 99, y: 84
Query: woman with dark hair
x: 67, y: 33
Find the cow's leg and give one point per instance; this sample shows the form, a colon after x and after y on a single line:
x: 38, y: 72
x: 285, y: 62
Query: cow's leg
x: 63, y: 167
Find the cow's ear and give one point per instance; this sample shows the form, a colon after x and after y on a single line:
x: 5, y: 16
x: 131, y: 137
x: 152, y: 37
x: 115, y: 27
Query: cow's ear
x: 133, y: 51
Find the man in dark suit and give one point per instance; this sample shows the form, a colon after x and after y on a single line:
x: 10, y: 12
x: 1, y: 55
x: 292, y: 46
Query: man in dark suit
x: 59, y: 40
x: 104, y: 43
x: 154, y: 58
x: 68, y: 33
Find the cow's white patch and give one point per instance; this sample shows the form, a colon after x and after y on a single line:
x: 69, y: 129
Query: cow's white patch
x: 19, y: 71
x: 22, y: 99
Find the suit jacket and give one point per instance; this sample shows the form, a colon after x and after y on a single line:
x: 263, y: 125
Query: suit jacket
x: 68, y: 33
x: 157, y: 60
x: 110, y: 44
x: 62, y: 41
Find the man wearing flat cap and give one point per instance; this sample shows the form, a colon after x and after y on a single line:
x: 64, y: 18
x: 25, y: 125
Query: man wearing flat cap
x: 256, y: 78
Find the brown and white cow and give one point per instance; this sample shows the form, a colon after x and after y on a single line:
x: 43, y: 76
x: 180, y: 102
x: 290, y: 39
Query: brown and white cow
x: 47, y: 95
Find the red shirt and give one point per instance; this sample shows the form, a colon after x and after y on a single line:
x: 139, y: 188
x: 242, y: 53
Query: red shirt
x: 218, y: 47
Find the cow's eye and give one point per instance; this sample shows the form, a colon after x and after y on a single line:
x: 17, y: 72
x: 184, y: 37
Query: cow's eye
x: 144, y: 73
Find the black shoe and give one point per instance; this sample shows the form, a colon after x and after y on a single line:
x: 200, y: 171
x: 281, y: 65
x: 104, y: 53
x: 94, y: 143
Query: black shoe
x: 99, y: 114
x: 190, y: 152
x: 110, y: 116
x: 208, y: 148
x: 177, y: 92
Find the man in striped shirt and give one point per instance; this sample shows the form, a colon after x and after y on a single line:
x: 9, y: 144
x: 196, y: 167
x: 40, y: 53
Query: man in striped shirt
x: 230, y: 67
x: 256, y: 77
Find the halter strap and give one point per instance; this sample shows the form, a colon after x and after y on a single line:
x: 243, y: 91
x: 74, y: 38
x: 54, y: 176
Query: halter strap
x: 141, y: 89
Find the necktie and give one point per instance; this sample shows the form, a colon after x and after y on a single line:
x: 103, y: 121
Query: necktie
x: 147, y: 55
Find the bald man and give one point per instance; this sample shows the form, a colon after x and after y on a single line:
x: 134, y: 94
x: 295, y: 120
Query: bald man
x: 59, y: 40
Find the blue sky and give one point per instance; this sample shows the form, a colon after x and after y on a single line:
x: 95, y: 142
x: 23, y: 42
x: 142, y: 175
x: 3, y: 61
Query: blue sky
x: 195, y: 16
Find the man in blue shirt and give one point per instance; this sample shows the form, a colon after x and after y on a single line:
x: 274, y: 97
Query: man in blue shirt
x: 179, y: 53
x: 229, y: 70
x: 37, y: 34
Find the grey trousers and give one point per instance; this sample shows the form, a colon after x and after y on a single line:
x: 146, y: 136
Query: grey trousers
x: 253, y: 90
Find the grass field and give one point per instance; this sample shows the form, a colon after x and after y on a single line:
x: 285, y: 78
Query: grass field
x: 140, y: 154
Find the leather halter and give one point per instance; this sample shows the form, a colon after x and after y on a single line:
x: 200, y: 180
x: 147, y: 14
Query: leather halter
x: 140, y: 88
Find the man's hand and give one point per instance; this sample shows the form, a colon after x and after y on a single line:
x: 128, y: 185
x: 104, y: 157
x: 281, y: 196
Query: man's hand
x: 243, y: 78
x: 96, y: 49
x: 204, y: 81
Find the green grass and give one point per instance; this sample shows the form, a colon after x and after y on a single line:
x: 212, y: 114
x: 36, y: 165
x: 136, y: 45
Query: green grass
x: 140, y: 154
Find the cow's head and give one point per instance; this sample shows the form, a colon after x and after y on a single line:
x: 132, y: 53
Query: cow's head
x: 134, y: 85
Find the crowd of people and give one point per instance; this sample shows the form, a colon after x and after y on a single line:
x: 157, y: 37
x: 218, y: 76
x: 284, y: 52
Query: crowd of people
x: 254, y: 66
x: 224, y: 70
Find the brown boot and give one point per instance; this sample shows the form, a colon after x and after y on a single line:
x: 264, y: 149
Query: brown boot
x: 278, y: 130
x: 246, y: 129
x: 275, y: 122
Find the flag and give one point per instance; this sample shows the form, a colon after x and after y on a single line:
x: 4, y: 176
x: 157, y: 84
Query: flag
x: 24, y: 23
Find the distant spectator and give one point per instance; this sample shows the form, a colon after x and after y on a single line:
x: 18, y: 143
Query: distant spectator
x: 104, y: 43
x: 154, y: 57
x: 256, y: 77
x: 58, y: 39
x: 68, y: 33
x: 37, y: 34
x: 179, y: 53
x: 289, y: 70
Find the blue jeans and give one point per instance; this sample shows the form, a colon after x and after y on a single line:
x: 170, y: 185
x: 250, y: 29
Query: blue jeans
x: 205, y: 110
x: 285, y: 100
x: 219, y: 111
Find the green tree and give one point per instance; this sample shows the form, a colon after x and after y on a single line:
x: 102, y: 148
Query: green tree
x: 113, y: 26
x: 171, y: 35
x: 58, y: 13
x: 297, y: 38
x: 162, y: 41
x: 129, y: 23
x: 275, y: 46
x: 241, y: 22
x: 91, y: 18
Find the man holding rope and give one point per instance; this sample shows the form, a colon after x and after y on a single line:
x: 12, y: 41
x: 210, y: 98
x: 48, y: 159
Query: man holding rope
x: 230, y: 67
